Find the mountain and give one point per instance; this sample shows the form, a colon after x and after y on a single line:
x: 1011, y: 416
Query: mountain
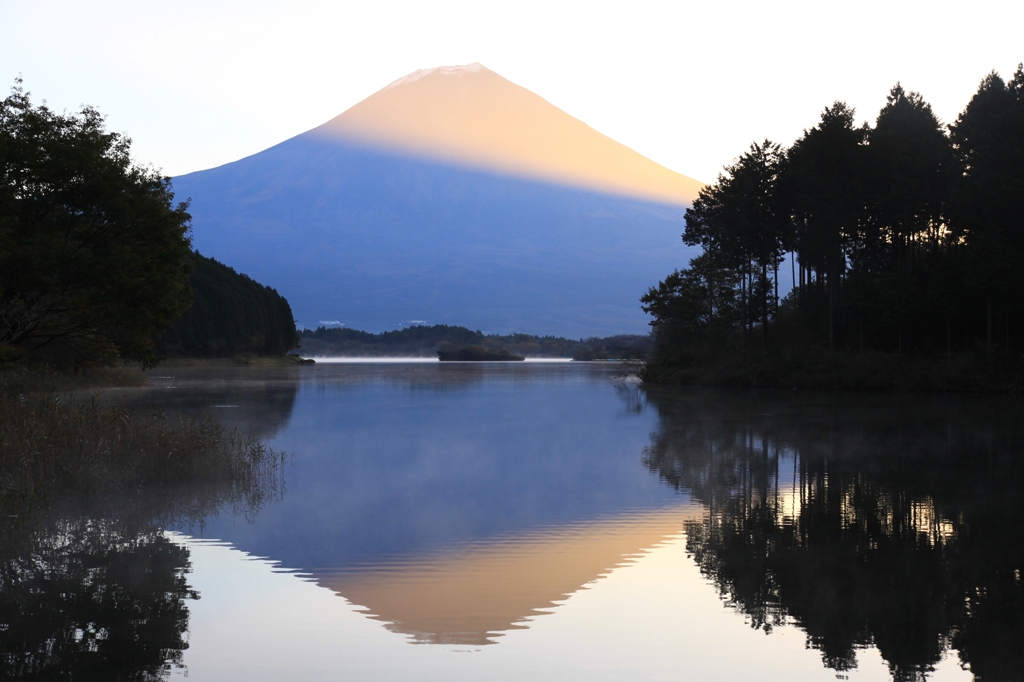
x: 471, y: 116
x: 451, y: 196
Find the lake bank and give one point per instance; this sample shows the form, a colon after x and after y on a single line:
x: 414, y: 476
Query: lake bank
x: 71, y: 435
x: 813, y: 368
x: 506, y: 511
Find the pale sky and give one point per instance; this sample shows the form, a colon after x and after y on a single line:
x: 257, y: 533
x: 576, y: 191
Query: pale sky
x: 690, y: 85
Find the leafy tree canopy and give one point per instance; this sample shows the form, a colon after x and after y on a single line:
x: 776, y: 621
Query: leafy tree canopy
x: 94, y: 256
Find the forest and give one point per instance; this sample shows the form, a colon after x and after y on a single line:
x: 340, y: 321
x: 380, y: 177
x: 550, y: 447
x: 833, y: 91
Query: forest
x: 96, y: 264
x: 94, y: 252
x: 426, y: 341
x: 231, y: 314
x: 904, y: 242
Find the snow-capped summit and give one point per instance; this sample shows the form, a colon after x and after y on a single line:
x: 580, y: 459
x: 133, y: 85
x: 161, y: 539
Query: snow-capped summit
x: 455, y: 196
x: 459, y: 70
x: 469, y: 115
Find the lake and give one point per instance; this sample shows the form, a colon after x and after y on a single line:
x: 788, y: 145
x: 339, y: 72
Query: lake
x: 548, y: 521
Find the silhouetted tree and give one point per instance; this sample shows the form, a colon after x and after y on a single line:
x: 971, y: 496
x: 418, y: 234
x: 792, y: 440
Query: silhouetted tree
x: 94, y: 257
x: 698, y: 306
x: 826, y: 167
x: 231, y: 313
x: 909, y: 235
x: 741, y: 222
x: 987, y: 199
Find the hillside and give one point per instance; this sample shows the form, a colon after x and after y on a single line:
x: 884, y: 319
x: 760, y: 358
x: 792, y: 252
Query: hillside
x: 424, y: 342
x: 393, y: 224
x: 230, y: 314
x: 471, y: 116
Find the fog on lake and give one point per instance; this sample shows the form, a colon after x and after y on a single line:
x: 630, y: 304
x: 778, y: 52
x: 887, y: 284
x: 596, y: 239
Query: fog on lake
x: 543, y: 521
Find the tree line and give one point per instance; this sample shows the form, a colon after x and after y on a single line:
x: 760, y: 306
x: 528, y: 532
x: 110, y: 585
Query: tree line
x: 902, y: 236
x: 94, y: 255
x: 427, y: 340
x: 96, y: 259
x: 231, y: 314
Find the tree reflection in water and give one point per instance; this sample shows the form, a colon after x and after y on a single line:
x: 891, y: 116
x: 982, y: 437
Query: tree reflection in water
x: 865, y: 521
x: 91, y: 600
x: 96, y: 590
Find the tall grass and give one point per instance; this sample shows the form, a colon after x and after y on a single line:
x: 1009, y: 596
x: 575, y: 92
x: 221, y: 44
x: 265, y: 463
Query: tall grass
x: 55, y: 447
x: 22, y: 378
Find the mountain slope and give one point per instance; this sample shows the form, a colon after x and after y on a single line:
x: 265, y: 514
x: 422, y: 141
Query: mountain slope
x: 471, y: 116
x: 378, y: 235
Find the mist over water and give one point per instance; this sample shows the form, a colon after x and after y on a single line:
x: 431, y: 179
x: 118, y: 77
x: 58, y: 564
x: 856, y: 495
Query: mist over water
x: 553, y: 522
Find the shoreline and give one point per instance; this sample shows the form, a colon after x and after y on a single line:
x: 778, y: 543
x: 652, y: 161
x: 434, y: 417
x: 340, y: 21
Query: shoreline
x: 806, y: 369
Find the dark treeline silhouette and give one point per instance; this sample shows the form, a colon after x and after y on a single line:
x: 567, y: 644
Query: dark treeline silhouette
x: 231, y: 314
x: 426, y: 341
x: 475, y: 354
x: 94, y: 253
x: 881, y: 523
x: 905, y: 237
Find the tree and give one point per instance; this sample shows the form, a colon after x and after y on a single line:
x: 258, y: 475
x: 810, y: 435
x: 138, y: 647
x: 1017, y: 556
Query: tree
x: 907, y: 161
x: 94, y: 258
x: 895, y: 247
x: 697, y: 306
x: 825, y: 170
x: 987, y: 197
x: 231, y: 313
x: 741, y: 222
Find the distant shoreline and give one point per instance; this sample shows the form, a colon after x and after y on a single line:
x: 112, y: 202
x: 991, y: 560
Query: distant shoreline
x: 360, y: 359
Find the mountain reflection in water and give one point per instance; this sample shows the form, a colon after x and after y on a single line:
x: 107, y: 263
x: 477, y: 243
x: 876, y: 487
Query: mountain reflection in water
x: 893, y: 522
x: 473, y: 595
x: 454, y: 506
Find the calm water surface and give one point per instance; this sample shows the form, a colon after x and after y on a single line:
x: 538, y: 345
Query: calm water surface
x: 550, y: 521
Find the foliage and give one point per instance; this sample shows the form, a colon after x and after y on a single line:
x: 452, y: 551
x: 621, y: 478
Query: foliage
x: 93, y: 255
x: 741, y: 224
x: 475, y: 354
x: 54, y: 447
x: 230, y: 314
x: 426, y: 341
x: 91, y: 587
x: 865, y: 522
x: 698, y: 306
x: 908, y: 237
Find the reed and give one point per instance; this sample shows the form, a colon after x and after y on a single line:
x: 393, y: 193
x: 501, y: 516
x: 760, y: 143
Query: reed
x: 21, y: 378
x: 55, y: 446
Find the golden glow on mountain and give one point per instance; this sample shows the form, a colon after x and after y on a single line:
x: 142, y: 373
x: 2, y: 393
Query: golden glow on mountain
x: 472, y: 595
x: 471, y: 116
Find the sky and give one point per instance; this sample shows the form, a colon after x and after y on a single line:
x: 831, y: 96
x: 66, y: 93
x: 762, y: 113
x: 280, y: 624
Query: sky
x: 689, y: 85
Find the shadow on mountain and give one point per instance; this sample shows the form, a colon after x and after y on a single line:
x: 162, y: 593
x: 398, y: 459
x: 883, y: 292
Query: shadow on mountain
x: 374, y: 238
x: 881, y: 521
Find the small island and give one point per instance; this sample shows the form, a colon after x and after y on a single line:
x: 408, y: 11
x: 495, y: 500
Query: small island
x: 476, y: 354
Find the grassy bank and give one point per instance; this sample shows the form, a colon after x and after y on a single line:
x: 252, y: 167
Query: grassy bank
x: 54, y: 447
x: 17, y: 378
x: 813, y: 368
x: 235, y: 361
